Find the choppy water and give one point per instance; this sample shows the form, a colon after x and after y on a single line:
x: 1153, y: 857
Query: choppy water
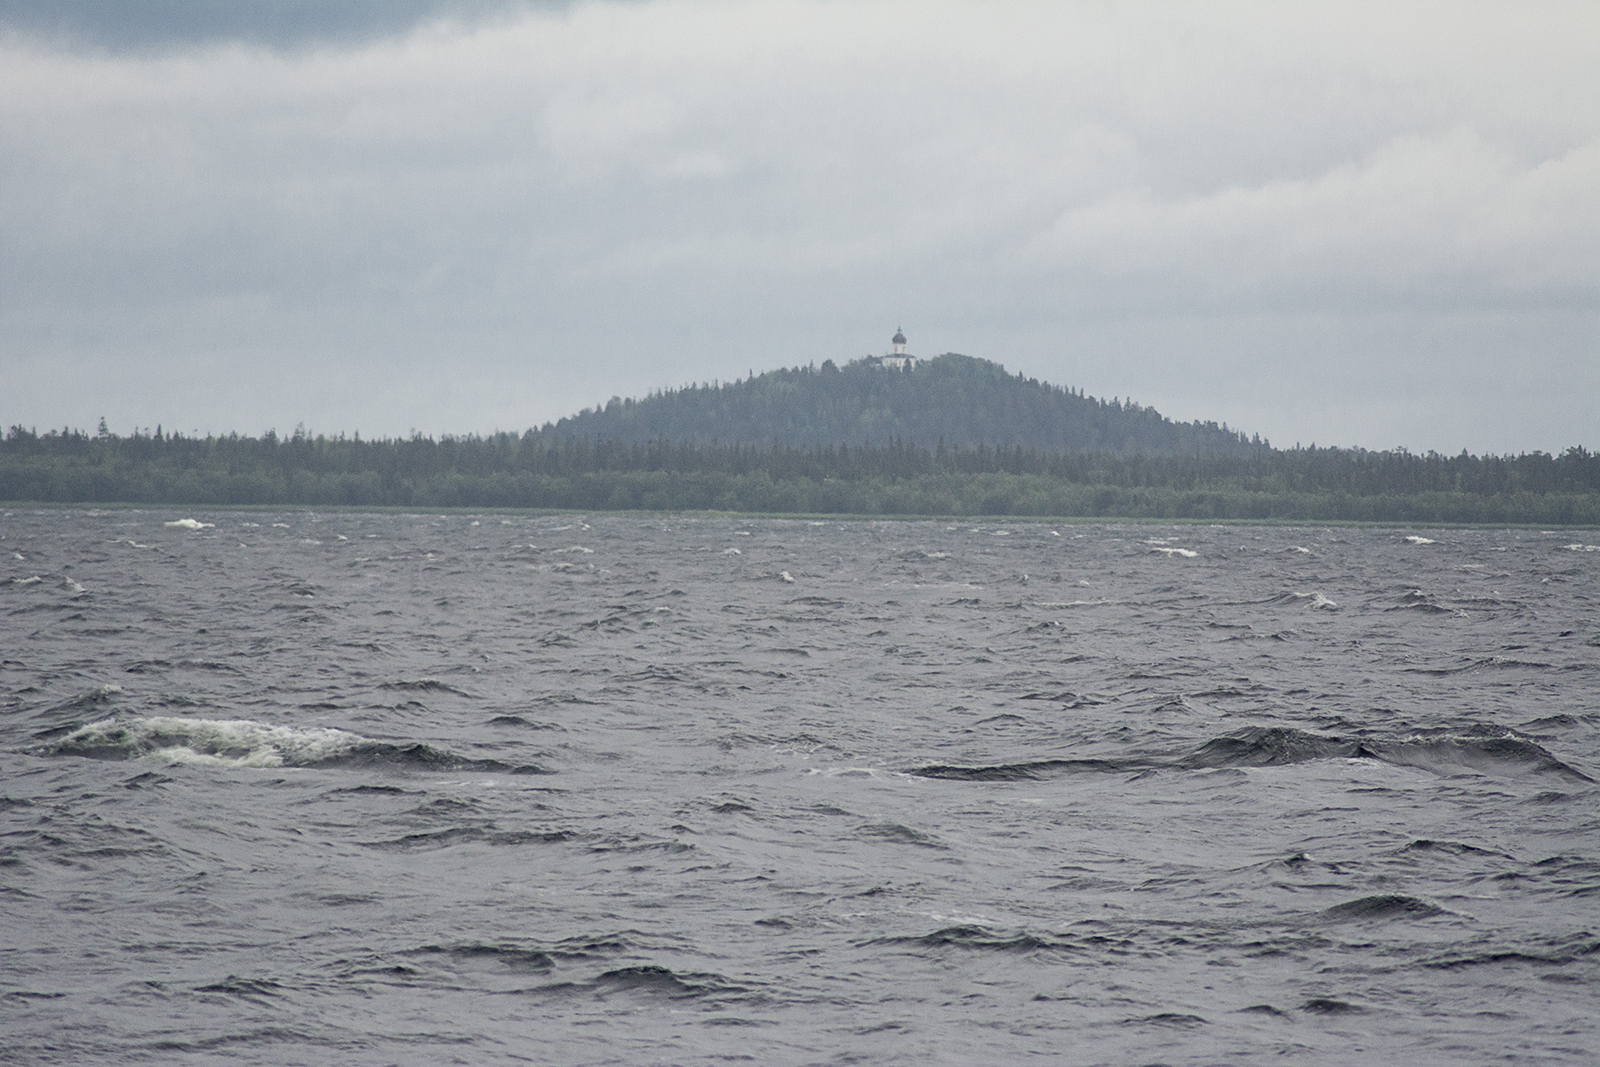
x: 373, y: 789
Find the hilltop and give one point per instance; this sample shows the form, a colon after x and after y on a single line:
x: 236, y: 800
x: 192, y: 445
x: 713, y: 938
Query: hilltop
x: 953, y: 400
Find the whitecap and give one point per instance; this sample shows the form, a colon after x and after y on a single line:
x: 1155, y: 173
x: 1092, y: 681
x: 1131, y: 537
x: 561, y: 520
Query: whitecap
x: 191, y: 524
x: 1581, y: 548
x: 215, y: 742
x: 1184, y: 552
x: 69, y: 583
x: 732, y: 552
x: 786, y: 576
x: 577, y: 548
x: 1055, y: 533
x: 1415, y: 540
x: 35, y: 580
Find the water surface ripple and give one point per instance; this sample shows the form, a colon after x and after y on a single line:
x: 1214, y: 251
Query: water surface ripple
x: 382, y: 789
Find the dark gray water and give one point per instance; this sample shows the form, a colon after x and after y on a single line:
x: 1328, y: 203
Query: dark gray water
x: 373, y: 789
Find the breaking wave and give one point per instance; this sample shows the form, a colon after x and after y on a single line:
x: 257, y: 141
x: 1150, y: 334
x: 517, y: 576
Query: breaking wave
x: 246, y: 743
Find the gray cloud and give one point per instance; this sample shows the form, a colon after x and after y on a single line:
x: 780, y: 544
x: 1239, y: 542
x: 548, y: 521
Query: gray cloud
x: 154, y: 25
x: 1345, y: 224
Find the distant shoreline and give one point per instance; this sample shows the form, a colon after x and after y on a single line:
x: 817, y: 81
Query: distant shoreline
x: 900, y: 479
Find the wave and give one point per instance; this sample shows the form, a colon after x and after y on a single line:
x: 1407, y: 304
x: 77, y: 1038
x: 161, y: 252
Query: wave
x: 509, y: 956
x: 898, y: 834
x: 1484, y: 749
x: 1259, y: 746
x: 1314, y: 600
x: 1489, y: 663
x: 191, y: 524
x: 425, y: 685
x: 246, y: 743
x: 1417, y: 600
x: 1022, y: 772
x: 428, y: 840
x: 975, y: 937
x: 1383, y: 906
x: 1505, y: 754
x: 660, y: 981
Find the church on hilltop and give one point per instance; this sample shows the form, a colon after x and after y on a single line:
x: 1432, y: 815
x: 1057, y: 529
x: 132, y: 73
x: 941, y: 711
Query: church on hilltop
x: 897, y: 358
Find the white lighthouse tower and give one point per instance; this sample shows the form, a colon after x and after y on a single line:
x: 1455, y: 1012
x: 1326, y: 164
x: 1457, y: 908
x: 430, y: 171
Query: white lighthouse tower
x: 899, y: 357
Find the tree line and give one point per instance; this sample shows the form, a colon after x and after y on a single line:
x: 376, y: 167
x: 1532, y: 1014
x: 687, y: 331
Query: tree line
x: 538, y: 469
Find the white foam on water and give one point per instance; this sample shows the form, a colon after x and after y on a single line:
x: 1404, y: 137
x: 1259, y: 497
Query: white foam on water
x: 1184, y: 552
x: 342, y: 537
x: 786, y: 576
x: 191, y: 524
x: 19, y: 555
x: 577, y: 548
x: 1415, y: 540
x: 212, y: 742
x: 1581, y: 548
x: 474, y: 522
x: 69, y: 583
x: 1314, y: 600
x: 732, y: 552
x: 1303, y: 550
x: 280, y: 526
x: 1001, y: 533
x: 1055, y: 533
x: 35, y: 580
x: 256, y: 525
x: 741, y: 533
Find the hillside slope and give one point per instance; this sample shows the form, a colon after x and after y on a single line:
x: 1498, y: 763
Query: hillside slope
x: 958, y: 400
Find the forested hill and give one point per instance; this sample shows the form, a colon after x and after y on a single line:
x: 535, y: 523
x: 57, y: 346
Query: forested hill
x: 960, y: 401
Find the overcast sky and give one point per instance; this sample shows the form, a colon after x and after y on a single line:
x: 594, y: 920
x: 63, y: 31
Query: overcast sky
x: 1348, y: 224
